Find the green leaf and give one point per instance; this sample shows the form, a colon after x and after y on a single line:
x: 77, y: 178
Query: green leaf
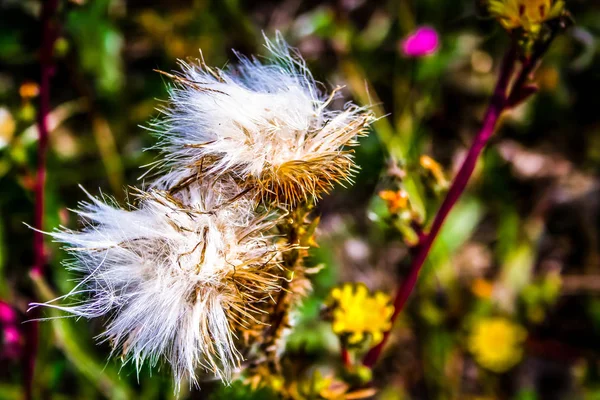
x: 458, y: 228
x: 238, y: 390
x: 99, y: 44
x: 69, y: 340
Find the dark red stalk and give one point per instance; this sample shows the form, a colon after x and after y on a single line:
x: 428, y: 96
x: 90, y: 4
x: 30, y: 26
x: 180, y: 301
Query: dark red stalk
x: 497, y: 105
x: 46, y: 71
x: 346, y: 360
x: 49, y: 8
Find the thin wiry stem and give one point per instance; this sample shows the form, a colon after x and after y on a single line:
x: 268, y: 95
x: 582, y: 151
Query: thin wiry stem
x: 498, y: 104
x: 46, y: 70
x: 346, y: 359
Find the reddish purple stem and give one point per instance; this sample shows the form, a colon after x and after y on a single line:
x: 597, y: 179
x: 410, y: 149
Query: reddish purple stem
x: 346, y: 359
x: 46, y: 71
x: 497, y: 105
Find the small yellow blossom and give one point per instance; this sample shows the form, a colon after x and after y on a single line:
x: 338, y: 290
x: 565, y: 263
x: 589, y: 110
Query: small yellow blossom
x: 526, y: 14
x: 359, y: 314
x: 29, y: 90
x: 326, y: 386
x: 482, y: 288
x: 396, y: 200
x: 7, y: 127
x: 496, y: 343
x: 434, y: 168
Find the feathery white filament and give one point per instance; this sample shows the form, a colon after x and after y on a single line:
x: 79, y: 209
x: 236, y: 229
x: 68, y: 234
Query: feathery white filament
x: 252, y: 118
x: 176, y: 274
x: 165, y: 276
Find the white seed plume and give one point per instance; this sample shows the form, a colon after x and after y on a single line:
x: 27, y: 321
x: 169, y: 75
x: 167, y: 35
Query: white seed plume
x: 267, y: 125
x: 172, y: 278
x: 179, y: 273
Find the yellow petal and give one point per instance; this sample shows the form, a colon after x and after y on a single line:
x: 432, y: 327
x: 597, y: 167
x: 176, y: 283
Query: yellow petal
x: 377, y: 337
x: 336, y: 293
x: 356, y: 337
x: 338, y: 327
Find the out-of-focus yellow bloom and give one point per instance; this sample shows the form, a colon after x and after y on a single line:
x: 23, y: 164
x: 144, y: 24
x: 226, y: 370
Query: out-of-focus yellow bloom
x: 482, y: 288
x: 526, y: 14
x: 480, y: 398
x: 326, y: 386
x: 7, y: 126
x: 496, y: 343
x: 358, y: 314
x: 548, y: 78
x: 29, y: 90
x: 434, y: 168
x: 396, y: 200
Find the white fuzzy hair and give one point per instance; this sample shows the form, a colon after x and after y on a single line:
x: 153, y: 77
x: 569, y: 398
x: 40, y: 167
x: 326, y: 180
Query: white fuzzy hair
x: 256, y: 121
x: 171, y: 278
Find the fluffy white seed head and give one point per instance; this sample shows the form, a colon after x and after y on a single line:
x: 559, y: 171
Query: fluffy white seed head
x: 266, y: 124
x: 173, y: 275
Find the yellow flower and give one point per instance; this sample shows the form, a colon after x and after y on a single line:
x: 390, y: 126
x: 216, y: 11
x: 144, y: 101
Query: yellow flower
x: 434, y: 168
x: 29, y: 90
x: 496, y: 343
x: 395, y: 200
x: 526, y: 14
x: 358, y: 314
x: 7, y: 127
x: 482, y: 288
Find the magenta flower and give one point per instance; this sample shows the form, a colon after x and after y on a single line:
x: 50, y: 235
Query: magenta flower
x: 11, y: 348
x: 424, y: 41
x: 11, y: 335
x: 7, y: 314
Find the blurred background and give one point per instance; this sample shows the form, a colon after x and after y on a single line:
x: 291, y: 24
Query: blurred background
x: 508, y: 304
